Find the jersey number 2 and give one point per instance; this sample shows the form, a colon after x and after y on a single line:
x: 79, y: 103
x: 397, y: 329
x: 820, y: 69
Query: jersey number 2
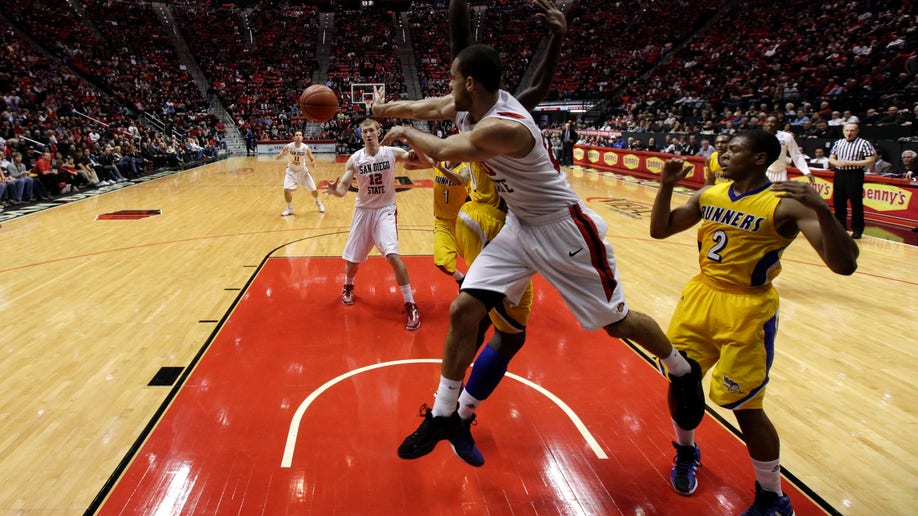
x: 720, y: 241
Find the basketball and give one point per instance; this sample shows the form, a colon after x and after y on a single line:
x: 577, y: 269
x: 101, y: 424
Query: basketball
x: 318, y: 103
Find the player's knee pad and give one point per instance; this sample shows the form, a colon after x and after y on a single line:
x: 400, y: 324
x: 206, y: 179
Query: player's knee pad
x: 686, y: 397
x: 686, y: 419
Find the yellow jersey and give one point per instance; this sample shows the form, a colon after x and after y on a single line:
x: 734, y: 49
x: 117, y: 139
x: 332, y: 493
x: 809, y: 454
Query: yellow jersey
x: 716, y: 169
x: 448, y: 196
x: 739, y: 247
x: 482, y: 189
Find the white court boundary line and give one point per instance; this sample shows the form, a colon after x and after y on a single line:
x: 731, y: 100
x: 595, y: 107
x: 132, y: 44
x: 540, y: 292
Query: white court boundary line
x: 301, y: 410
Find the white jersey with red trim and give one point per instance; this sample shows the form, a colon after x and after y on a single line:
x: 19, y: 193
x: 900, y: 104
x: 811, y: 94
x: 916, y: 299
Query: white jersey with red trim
x: 296, y: 156
x: 375, y: 177
x: 533, y: 185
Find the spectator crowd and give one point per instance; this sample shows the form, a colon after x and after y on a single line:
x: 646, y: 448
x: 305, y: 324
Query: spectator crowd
x: 82, y: 78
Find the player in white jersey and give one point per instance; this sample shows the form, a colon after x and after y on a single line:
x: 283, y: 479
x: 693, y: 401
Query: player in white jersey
x: 374, y: 222
x: 479, y: 220
x: 548, y: 231
x: 298, y: 156
x: 790, y: 153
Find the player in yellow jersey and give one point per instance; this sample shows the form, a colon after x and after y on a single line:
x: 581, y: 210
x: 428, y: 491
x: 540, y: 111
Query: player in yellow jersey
x: 449, y: 195
x: 713, y: 171
x: 728, y: 314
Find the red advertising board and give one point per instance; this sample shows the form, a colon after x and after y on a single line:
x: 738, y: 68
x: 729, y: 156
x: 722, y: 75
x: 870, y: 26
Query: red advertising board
x: 887, y: 200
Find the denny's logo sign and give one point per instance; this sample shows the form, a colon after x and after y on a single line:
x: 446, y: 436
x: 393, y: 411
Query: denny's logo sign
x: 883, y: 197
x: 610, y: 158
x: 655, y: 165
x: 631, y: 161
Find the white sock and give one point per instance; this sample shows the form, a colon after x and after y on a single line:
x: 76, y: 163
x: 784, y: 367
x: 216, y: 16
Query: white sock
x: 676, y: 364
x: 446, y: 397
x: 467, y: 404
x: 406, y: 293
x: 684, y: 437
x: 290, y: 206
x: 458, y: 275
x: 768, y: 473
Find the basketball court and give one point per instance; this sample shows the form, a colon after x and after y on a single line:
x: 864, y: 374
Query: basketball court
x: 199, y: 361
x: 298, y: 403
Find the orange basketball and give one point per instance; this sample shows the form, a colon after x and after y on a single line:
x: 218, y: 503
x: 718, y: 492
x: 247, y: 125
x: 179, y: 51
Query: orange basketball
x: 318, y: 103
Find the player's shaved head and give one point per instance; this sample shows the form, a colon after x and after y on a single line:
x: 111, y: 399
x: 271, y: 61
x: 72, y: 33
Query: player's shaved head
x: 483, y: 64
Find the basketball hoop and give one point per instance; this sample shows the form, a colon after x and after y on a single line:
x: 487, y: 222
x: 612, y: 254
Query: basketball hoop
x: 362, y: 93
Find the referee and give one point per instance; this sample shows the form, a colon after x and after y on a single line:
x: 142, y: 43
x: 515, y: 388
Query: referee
x: 849, y: 158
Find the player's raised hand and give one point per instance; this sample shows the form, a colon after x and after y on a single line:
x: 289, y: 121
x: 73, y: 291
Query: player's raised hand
x: 555, y: 19
x: 674, y: 170
x: 379, y: 100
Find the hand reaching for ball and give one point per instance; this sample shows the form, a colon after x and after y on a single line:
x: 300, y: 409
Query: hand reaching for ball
x: 331, y: 187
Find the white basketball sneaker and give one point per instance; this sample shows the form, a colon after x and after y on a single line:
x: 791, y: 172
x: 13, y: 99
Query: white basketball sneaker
x: 320, y: 206
x: 286, y: 212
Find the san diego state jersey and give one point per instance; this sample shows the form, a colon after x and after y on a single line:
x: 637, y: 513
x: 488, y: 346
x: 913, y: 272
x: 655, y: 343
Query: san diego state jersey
x: 533, y: 185
x: 375, y: 177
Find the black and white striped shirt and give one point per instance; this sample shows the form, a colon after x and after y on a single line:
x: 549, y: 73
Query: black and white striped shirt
x: 855, y: 150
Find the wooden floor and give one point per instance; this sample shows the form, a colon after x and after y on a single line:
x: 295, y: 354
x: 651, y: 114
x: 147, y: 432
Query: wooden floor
x: 92, y: 309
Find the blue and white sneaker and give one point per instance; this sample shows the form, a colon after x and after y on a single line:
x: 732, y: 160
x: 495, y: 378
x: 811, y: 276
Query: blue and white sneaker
x: 460, y: 438
x: 768, y: 503
x: 685, y: 463
x: 435, y: 429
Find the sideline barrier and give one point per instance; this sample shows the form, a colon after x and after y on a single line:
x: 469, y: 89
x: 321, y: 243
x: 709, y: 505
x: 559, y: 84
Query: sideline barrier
x: 274, y: 147
x: 886, y: 200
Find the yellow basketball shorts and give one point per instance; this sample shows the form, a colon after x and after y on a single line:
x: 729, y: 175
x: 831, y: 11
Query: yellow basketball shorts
x: 477, y: 225
x: 733, y: 335
x: 445, y: 248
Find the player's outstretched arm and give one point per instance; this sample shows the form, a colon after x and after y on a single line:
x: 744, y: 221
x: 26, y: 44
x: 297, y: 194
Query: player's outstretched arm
x: 416, y: 160
x: 492, y: 137
x: 664, y: 221
x: 412, y: 159
x: 804, y: 210
x: 458, y: 174
x: 799, y: 160
x: 434, y: 108
x: 339, y: 186
x: 548, y: 64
